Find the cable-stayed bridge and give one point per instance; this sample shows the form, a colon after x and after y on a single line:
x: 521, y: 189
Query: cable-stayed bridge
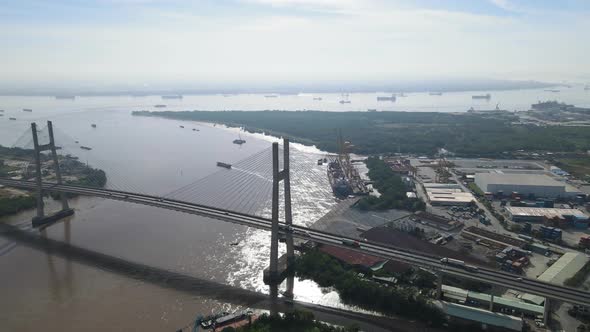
x: 250, y: 195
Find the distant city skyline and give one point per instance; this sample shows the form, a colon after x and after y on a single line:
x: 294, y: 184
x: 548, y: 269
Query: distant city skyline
x: 209, y: 43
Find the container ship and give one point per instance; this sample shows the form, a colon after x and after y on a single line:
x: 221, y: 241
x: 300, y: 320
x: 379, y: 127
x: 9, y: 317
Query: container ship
x: 486, y: 96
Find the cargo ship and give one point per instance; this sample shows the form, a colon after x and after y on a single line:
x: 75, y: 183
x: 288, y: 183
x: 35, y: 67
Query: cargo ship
x: 172, y: 97
x: 159, y: 106
x: 11, y: 118
x: 85, y: 148
x: 486, y: 96
x: 386, y: 98
x: 340, y: 185
x: 224, y: 165
x: 27, y: 110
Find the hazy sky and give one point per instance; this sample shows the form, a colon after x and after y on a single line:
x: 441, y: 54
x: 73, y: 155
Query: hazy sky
x: 141, y: 41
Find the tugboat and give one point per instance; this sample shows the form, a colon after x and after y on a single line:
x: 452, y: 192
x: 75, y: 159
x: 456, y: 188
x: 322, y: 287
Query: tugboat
x: 239, y: 141
x: 181, y: 126
x: 93, y: 125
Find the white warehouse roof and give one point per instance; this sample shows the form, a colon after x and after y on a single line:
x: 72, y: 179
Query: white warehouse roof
x: 518, y: 179
x: 565, y: 267
x: 544, y: 212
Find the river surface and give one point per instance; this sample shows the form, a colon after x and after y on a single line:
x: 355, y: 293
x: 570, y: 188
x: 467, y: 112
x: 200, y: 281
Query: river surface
x: 42, y: 291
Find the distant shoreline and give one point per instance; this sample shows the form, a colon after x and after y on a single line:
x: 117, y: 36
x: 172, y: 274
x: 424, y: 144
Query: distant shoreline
x: 361, y: 87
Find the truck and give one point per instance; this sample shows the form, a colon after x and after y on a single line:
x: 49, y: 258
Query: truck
x: 458, y: 263
x: 351, y: 243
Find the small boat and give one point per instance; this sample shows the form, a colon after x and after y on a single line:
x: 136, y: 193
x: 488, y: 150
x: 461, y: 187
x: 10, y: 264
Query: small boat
x: 224, y: 165
x: 76, y: 142
x: 195, y: 129
x: 27, y: 110
x: 93, y: 125
x: 551, y: 90
x: 235, y: 243
x: 181, y: 126
x: 239, y: 141
x: 159, y: 106
x: 344, y: 99
x: 317, y: 98
x: 271, y: 96
x: 11, y: 118
x: 1, y: 111
x: 85, y: 148
x: 320, y: 162
x: 65, y: 97
x: 372, y: 110
x: 436, y: 93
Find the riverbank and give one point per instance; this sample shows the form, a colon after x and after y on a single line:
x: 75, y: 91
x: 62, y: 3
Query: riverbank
x: 467, y: 134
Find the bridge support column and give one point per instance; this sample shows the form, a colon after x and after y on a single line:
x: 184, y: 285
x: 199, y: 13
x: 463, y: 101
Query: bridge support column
x: 62, y: 196
x: 547, y: 311
x: 439, y: 286
x: 38, y: 175
x: 288, y: 218
x: 40, y: 219
x: 272, y: 276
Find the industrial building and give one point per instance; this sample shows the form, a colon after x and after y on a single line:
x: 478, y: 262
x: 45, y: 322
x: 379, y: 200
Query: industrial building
x: 534, y: 214
x: 447, y: 194
x: 565, y: 267
x: 463, y: 296
x: 492, y: 320
x: 526, y: 185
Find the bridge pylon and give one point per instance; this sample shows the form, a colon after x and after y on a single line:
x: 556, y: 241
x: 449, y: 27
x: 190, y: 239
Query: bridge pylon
x: 272, y: 276
x: 41, y: 219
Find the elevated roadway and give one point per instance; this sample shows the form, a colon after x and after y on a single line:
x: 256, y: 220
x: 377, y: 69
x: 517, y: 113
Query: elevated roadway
x: 494, y: 277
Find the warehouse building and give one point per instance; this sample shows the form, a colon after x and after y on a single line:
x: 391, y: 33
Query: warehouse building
x: 530, y: 214
x: 526, y: 185
x: 565, y: 267
x: 447, y: 194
